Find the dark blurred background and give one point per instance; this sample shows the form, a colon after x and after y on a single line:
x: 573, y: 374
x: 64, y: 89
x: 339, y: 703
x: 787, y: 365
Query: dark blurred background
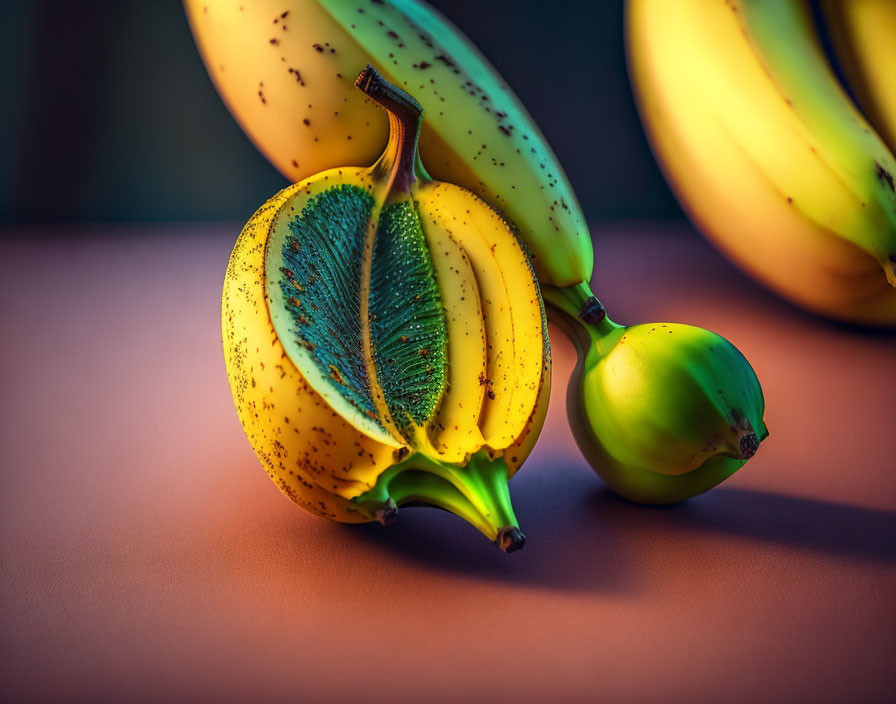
x: 109, y: 114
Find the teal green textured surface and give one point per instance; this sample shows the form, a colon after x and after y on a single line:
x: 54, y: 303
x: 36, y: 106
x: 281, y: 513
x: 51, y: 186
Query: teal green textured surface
x: 407, y: 318
x: 321, y: 284
x: 321, y: 275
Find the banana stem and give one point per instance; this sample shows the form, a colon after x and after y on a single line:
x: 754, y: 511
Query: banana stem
x: 401, y: 156
x: 580, y: 305
x: 477, y: 492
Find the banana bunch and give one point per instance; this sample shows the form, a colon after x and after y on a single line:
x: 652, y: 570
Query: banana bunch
x: 373, y: 353
x: 285, y: 71
x: 863, y: 33
x: 765, y: 150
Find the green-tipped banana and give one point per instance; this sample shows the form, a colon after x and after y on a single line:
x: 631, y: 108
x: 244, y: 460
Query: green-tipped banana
x: 285, y: 70
x: 662, y: 411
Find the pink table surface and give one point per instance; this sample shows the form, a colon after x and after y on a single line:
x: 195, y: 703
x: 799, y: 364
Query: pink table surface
x: 146, y: 556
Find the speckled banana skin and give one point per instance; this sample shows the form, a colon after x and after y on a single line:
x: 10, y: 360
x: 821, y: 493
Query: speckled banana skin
x: 285, y: 69
x: 329, y: 437
x: 766, y: 152
x: 310, y: 452
x: 316, y: 458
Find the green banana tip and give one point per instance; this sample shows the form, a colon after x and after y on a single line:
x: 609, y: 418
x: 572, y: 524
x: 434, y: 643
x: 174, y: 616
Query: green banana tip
x: 510, y: 538
x: 387, y: 514
x: 749, y: 443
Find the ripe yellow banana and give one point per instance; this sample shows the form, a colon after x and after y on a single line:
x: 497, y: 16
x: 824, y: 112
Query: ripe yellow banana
x: 864, y: 38
x: 284, y: 69
x: 373, y: 354
x: 766, y: 152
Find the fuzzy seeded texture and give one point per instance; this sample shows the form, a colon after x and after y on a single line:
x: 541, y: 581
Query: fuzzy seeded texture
x: 321, y: 281
x: 407, y: 318
x: 321, y: 284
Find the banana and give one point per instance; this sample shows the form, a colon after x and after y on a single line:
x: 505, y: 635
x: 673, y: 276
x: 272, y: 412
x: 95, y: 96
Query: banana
x: 863, y: 34
x: 510, y: 298
x: 284, y: 69
x: 766, y: 152
x: 360, y: 320
x: 661, y: 411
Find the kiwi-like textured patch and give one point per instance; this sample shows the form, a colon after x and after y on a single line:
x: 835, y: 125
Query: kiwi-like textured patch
x: 407, y: 318
x: 321, y: 274
x: 321, y: 284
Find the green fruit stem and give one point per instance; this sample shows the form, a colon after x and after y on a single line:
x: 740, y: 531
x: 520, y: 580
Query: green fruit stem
x: 476, y: 491
x: 584, y: 317
x: 401, y: 157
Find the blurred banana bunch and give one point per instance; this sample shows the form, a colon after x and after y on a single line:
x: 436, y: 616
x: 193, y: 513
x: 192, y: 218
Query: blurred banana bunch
x: 766, y: 151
